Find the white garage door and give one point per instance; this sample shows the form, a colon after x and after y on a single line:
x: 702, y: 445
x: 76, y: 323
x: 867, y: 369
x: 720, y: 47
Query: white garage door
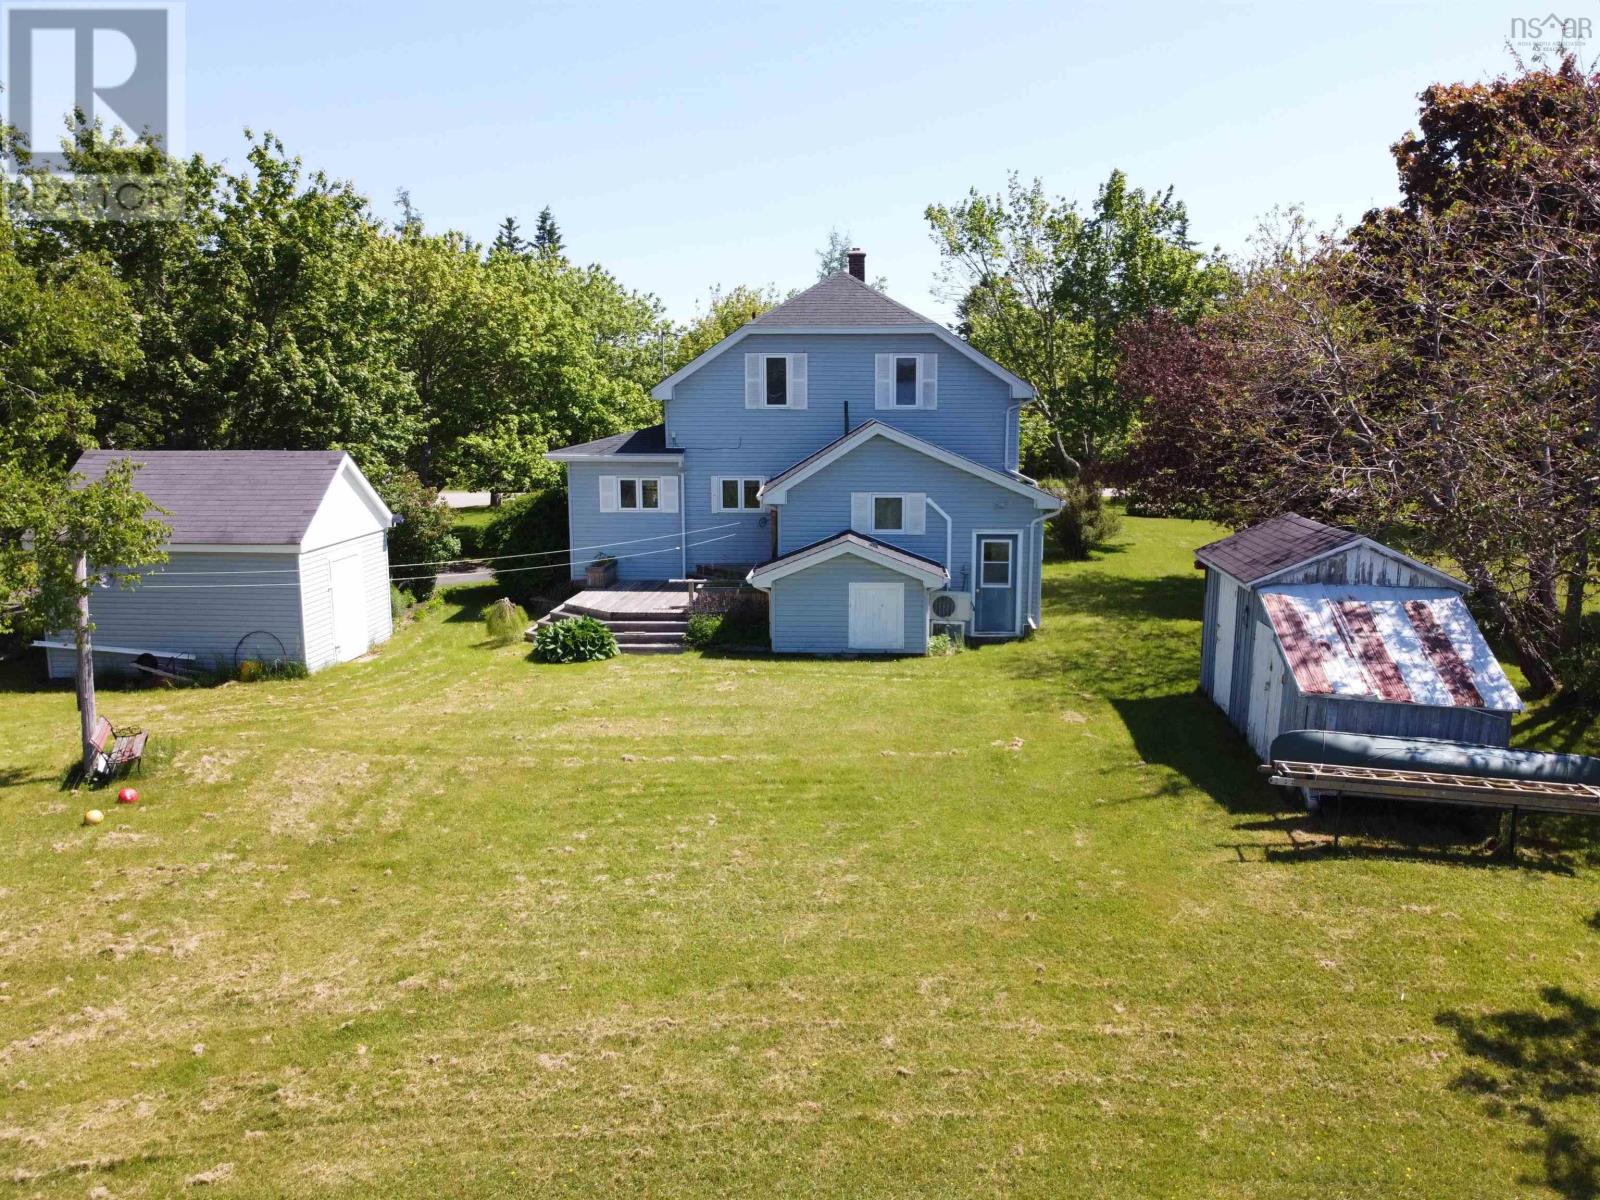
x: 349, y: 608
x: 877, y: 616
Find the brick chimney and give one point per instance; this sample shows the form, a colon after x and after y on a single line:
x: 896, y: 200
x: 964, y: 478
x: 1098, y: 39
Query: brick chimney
x: 857, y: 259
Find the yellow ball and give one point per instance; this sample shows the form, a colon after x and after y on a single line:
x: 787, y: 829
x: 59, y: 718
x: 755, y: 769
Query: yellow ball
x: 93, y: 817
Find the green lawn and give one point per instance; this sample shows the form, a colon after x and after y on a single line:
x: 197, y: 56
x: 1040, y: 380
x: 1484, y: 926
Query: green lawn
x: 1020, y: 921
x: 469, y: 524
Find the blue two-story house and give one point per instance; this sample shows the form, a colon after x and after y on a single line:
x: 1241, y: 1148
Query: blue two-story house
x: 852, y: 458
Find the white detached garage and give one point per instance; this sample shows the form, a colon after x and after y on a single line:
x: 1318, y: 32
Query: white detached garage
x: 273, y: 554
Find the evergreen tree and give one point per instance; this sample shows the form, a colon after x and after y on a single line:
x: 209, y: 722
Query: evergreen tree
x: 509, y: 239
x: 547, y: 235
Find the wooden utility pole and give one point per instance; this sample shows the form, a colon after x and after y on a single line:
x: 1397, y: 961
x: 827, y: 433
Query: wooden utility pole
x: 86, y: 713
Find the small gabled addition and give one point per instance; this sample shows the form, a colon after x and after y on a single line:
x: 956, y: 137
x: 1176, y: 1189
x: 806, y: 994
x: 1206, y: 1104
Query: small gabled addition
x: 775, y: 381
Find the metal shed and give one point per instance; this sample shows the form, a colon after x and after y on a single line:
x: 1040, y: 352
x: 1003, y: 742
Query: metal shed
x: 1308, y: 626
x: 273, y: 554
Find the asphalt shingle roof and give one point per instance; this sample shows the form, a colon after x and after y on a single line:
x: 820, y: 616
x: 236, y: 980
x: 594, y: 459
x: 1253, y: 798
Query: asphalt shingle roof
x: 228, y: 497
x: 840, y: 300
x: 1272, y: 546
x: 650, y: 440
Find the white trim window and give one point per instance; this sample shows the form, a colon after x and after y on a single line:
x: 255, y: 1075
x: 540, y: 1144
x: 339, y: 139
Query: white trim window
x: 906, y: 382
x: 995, y: 561
x: 638, y: 493
x: 775, y: 381
x: 889, y: 512
x: 736, y: 493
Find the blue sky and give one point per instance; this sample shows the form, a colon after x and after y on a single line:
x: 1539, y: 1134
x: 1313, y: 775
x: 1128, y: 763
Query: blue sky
x: 685, y: 146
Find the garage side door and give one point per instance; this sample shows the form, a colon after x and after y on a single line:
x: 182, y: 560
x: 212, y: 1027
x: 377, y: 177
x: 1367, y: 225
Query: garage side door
x: 349, y: 607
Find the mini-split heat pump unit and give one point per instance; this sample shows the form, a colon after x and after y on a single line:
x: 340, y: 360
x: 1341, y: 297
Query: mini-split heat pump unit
x: 952, y: 607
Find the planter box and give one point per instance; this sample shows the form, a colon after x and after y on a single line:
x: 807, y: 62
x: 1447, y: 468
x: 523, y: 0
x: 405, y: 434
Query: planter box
x: 601, y: 574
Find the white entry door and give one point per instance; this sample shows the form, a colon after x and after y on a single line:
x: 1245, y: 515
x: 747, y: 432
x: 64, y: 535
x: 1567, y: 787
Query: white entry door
x: 877, y: 616
x: 349, y: 607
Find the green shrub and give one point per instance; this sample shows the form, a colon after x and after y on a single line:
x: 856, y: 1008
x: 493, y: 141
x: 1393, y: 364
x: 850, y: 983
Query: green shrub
x: 423, y: 534
x: 1085, y: 520
x: 536, y: 525
x: 505, y: 621
x: 703, y: 629
x: 468, y: 526
x: 942, y: 644
x: 399, y: 602
x: 576, y: 639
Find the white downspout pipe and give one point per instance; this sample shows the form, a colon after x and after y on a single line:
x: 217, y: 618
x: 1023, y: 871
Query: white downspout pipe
x: 949, y: 565
x: 1036, y: 607
x: 683, y: 525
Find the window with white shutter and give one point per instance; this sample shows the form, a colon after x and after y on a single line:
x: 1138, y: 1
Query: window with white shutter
x: 889, y: 512
x: 639, y: 493
x: 905, y: 381
x: 775, y: 380
x: 736, y: 493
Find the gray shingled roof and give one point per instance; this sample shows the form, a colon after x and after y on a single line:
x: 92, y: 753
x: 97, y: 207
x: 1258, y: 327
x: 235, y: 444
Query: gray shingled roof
x: 840, y: 300
x: 650, y: 440
x: 228, y: 497
x: 1273, y: 546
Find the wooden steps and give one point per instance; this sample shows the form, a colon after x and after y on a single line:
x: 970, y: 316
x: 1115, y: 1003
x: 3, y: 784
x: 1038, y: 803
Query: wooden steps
x: 645, y: 618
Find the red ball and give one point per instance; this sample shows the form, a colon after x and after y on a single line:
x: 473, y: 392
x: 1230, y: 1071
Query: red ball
x: 127, y: 796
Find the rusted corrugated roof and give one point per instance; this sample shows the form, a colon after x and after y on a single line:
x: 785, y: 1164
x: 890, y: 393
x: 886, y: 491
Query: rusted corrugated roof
x: 1400, y: 645
x: 1272, y: 546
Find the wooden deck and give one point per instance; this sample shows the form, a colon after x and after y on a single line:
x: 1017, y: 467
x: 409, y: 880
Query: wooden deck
x: 631, y: 599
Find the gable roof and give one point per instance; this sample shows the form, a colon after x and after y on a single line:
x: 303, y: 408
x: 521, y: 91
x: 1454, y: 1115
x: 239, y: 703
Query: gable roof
x: 651, y: 440
x: 1274, y: 545
x: 838, y: 300
x: 928, y: 571
x: 841, y: 303
x: 230, y: 497
x: 1393, y: 645
x: 776, y: 489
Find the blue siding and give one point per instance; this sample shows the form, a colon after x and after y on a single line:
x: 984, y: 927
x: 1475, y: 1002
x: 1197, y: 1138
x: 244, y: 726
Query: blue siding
x: 645, y: 543
x: 819, y: 507
x: 707, y: 412
x: 204, y: 621
x: 811, y: 609
x: 707, y: 418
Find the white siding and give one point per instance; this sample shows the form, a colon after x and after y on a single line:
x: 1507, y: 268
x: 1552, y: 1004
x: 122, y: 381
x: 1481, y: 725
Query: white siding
x: 347, y: 511
x: 317, y: 607
x: 199, y: 604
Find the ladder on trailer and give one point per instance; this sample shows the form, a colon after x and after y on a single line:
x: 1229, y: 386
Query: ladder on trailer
x: 1439, y: 787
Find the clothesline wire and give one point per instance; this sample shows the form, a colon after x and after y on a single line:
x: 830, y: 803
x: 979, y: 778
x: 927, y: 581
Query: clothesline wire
x: 173, y: 587
x: 463, y: 558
